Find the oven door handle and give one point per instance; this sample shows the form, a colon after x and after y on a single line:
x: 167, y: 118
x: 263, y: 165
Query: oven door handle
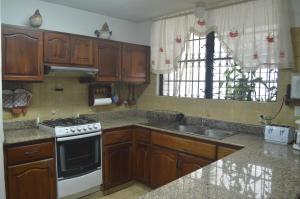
x: 77, y: 137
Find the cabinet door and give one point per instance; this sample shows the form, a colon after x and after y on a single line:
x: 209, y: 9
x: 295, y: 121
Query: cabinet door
x: 108, y: 56
x: 56, y: 48
x: 163, y: 166
x: 141, y: 168
x: 189, y: 163
x: 135, y: 64
x: 81, y: 51
x: 34, y: 180
x: 225, y: 151
x: 22, y: 54
x: 117, y: 164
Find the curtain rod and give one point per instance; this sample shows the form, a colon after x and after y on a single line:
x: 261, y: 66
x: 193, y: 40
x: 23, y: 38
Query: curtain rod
x: 191, y: 11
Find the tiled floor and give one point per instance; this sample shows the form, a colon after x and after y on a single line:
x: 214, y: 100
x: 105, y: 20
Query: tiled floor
x: 132, y: 192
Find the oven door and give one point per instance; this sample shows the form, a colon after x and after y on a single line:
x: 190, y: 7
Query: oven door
x: 78, y: 155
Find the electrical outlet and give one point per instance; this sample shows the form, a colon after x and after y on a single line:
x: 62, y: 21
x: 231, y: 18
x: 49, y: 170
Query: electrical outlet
x: 297, y: 111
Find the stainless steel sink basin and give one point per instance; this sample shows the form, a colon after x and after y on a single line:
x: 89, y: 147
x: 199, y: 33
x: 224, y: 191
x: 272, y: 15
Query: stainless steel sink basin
x: 218, y: 134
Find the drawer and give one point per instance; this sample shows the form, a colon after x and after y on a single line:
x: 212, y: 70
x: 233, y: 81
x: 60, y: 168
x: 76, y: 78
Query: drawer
x: 29, y: 153
x: 117, y: 136
x: 194, y: 147
x: 225, y: 151
x: 142, y: 135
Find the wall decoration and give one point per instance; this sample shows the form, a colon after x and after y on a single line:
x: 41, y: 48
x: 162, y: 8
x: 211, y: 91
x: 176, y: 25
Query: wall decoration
x: 104, y: 32
x: 36, y: 19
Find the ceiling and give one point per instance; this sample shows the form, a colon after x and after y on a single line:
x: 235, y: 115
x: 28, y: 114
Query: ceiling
x: 139, y: 10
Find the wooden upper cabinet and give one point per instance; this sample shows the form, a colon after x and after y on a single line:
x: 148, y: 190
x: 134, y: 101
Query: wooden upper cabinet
x: 34, y: 180
x: 81, y: 51
x: 108, y: 56
x: 135, y: 63
x: 22, y: 54
x: 163, y: 166
x: 56, y: 48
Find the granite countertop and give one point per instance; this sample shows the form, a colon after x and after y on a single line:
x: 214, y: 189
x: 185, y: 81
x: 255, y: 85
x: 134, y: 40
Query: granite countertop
x: 25, y: 135
x: 259, y: 170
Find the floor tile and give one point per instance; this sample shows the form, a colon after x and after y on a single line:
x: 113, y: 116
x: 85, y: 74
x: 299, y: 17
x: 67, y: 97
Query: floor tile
x: 131, y: 192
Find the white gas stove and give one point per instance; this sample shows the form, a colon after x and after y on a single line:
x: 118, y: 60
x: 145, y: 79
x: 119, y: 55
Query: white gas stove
x: 78, y: 155
x: 70, y: 126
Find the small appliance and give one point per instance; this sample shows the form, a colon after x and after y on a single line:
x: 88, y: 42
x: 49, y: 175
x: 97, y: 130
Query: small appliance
x: 279, y: 134
x: 296, y: 145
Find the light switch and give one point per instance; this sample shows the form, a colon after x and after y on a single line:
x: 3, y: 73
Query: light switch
x: 297, y: 111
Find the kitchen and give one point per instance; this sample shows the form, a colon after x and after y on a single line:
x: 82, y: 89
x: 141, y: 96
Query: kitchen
x: 96, y: 106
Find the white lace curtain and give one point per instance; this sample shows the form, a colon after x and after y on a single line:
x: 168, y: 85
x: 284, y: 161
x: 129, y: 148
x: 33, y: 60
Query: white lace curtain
x: 257, y: 33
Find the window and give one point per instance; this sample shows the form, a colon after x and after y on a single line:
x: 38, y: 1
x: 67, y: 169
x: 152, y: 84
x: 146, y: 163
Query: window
x: 207, y: 70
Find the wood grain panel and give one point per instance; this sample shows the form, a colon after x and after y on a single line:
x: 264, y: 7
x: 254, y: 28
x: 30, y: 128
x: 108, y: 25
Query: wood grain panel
x: 117, y: 136
x: 190, y: 146
x: 28, y: 153
x: 142, y: 134
x: 225, y: 151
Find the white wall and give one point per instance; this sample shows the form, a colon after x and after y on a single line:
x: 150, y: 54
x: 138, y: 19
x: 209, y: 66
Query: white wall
x: 2, y: 182
x: 295, y: 6
x: 66, y: 19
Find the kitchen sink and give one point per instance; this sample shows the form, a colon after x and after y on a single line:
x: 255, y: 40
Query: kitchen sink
x: 218, y: 134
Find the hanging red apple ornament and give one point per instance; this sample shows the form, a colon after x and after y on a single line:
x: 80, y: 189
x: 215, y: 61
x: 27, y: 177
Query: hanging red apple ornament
x: 282, y: 55
x: 233, y: 34
x: 255, y: 56
x: 270, y: 38
x: 168, y: 61
x: 161, y: 50
x: 178, y: 39
x: 201, y: 22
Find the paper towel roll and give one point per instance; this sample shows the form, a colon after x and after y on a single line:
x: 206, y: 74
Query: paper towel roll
x: 102, y: 101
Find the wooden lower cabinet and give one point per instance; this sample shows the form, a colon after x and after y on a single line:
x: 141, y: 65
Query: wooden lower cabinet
x: 141, y: 168
x: 117, y: 164
x: 225, y: 151
x: 155, y: 158
x: 189, y: 163
x: 163, y: 166
x: 33, y: 180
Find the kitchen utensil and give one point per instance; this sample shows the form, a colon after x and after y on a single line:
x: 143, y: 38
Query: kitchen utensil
x: 120, y: 101
x: 133, y: 100
x: 296, y: 145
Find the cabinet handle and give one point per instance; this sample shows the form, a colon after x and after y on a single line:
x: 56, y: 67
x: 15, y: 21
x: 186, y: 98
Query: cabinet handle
x: 31, y: 153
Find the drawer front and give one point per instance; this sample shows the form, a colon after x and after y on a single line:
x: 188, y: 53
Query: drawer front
x: 225, y: 151
x: 190, y: 146
x: 28, y: 153
x: 117, y: 136
x: 142, y: 135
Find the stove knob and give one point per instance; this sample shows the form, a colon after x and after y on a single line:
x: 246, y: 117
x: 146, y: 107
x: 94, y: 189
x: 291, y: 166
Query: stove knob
x: 84, y: 128
x: 90, y: 127
x: 73, y: 129
x: 95, y: 126
x: 79, y: 128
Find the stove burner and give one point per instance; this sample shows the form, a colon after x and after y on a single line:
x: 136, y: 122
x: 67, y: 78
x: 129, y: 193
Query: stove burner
x: 67, y: 122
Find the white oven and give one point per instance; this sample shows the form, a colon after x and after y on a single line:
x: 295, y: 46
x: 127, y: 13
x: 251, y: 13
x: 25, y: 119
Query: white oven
x: 78, y: 155
x: 78, y: 164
